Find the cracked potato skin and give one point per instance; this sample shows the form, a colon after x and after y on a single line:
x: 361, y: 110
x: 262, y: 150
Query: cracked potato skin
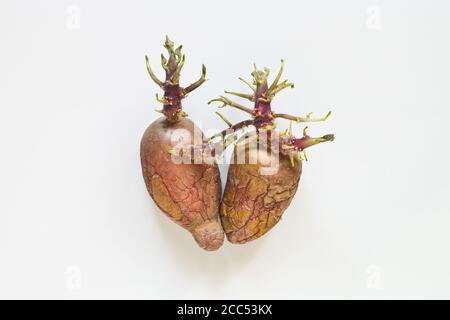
x: 189, y: 194
x: 253, y: 203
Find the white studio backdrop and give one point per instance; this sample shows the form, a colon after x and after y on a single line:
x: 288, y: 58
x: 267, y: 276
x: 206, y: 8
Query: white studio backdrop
x: 371, y: 217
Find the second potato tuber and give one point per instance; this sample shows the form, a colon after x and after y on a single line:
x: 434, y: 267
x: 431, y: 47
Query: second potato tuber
x: 265, y: 172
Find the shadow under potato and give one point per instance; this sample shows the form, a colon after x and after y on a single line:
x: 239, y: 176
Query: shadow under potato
x: 226, y: 259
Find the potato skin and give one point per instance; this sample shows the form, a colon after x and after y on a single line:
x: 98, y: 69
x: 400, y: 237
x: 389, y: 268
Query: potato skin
x: 189, y: 194
x: 253, y: 203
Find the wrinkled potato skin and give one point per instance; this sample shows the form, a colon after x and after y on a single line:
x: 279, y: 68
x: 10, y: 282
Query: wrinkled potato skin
x: 189, y: 194
x: 253, y: 203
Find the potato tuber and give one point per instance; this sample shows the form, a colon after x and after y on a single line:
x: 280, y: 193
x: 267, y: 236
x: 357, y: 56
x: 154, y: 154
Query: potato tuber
x: 188, y: 193
x: 264, y: 175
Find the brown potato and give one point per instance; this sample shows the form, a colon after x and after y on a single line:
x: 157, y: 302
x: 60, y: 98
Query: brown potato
x: 254, y: 200
x: 265, y: 173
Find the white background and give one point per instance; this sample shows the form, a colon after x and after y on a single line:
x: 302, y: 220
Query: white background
x: 371, y: 217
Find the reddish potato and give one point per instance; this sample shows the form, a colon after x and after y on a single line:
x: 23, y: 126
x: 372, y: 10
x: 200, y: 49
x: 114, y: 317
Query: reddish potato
x: 188, y: 193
